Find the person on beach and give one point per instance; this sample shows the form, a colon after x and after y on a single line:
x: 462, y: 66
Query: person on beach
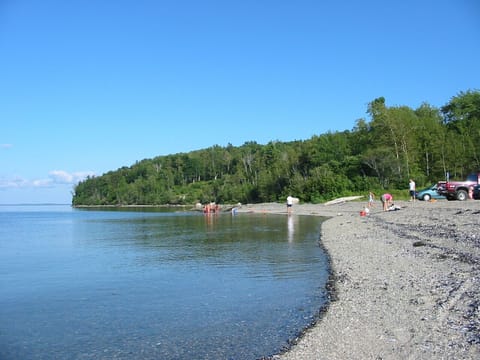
x: 289, y: 204
x: 387, y: 200
x: 371, y: 199
x: 411, y: 187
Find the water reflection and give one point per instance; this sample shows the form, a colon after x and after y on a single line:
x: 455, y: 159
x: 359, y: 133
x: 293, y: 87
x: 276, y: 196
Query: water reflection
x: 214, y: 239
x: 291, y: 227
x: 210, y: 219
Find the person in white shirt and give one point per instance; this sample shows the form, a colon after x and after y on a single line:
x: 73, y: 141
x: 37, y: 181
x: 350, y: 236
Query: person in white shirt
x: 411, y: 187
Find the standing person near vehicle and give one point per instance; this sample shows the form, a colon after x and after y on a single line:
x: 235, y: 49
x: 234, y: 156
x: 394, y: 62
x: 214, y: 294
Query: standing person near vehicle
x: 387, y: 200
x: 289, y: 204
x: 411, y: 187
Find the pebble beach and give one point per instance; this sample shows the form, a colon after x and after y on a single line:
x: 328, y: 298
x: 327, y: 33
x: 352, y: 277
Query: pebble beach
x: 405, y: 284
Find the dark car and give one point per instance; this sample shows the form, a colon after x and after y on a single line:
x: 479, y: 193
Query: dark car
x: 476, y: 192
x: 429, y: 193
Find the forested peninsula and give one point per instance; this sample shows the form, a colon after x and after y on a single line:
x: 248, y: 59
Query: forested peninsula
x: 396, y: 143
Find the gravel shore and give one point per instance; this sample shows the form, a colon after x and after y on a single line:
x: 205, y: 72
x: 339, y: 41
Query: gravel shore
x: 406, y: 282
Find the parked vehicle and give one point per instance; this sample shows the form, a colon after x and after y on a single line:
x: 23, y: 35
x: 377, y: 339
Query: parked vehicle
x: 429, y: 193
x: 476, y: 192
x: 458, y: 190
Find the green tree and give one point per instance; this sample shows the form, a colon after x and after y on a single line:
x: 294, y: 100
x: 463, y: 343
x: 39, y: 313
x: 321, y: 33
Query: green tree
x: 462, y: 117
x: 431, y: 138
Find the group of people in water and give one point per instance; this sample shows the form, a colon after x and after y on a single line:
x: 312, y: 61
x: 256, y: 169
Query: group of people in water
x: 211, y: 208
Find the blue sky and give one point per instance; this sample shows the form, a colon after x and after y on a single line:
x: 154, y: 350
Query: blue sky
x: 90, y: 86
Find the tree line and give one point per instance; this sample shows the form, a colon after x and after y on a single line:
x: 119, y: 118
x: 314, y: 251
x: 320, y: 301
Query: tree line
x: 396, y: 143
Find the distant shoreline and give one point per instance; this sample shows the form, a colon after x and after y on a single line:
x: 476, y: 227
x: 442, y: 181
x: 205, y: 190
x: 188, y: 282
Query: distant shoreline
x: 36, y: 204
x: 131, y: 206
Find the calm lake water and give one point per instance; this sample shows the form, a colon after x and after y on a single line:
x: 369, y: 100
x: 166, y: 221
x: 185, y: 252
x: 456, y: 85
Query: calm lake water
x: 84, y: 284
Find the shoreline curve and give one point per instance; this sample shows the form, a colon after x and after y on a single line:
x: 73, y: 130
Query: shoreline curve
x: 406, y: 282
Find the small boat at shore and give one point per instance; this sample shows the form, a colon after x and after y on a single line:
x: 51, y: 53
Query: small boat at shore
x: 343, y: 199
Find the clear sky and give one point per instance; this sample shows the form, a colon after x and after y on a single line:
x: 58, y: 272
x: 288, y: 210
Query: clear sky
x: 90, y: 86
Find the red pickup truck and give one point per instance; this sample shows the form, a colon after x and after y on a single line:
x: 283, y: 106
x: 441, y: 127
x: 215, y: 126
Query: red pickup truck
x: 458, y: 190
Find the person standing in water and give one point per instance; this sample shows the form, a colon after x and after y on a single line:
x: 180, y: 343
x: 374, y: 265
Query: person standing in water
x: 289, y: 204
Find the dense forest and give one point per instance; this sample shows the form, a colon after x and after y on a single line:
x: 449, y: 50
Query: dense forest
x: 395, y: 144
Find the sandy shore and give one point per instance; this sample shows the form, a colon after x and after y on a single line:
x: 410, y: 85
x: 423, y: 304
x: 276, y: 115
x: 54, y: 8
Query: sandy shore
x: 407, y: 282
